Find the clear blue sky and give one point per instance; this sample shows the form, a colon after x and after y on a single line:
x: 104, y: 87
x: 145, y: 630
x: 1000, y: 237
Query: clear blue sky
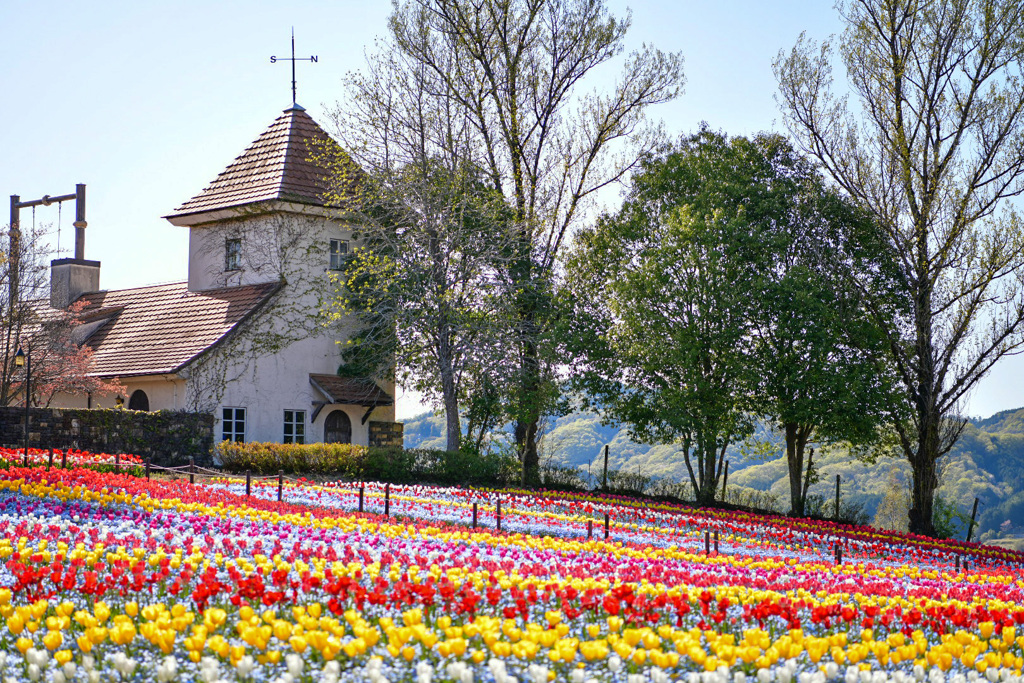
x: 146, y: 102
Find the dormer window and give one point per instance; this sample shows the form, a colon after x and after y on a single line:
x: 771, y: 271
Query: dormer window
x: 339, y: 249
x: 233, y: 254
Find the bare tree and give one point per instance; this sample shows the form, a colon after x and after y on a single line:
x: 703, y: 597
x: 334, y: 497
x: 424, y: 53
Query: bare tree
x: 933, y: 153
x: 428, y: 281
x: 61, y: 363
x: 509, y: 75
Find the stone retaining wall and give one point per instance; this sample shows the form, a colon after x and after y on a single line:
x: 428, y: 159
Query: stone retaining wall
x: 166, y: 437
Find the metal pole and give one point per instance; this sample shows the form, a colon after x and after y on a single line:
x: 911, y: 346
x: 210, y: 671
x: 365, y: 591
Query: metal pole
x: 970, y: 527
x: 14, y: 235
x: 80, y: 221
x: 64, y: 459
x: 248, y: 482
x: 497, y: 516
x: 360, y: 498
x: 49, y: 461
x: 191, y: 470
x: 604, y: 480
x: 280, y: 485
x: 835, y: 517
x: 387, y: 500
x: 707, y: 542
x: 607, y: 524
x: 28, y: 394
x: 716, y: 541
x: 474, y: 515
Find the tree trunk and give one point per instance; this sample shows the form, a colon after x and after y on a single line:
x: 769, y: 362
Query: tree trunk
x: 708, y: 482
x: 928, y: 415
x: 797, y: 436
x: 529, y: 411
x: 795, y: 460
x: 450, y: 394
x: 452, y: 424
x: 925, y: 476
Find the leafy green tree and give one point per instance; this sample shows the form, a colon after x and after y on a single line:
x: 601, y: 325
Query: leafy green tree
x: 661, y: 323
x: 425, y: 283
x: 820, y: 359
x: 511, y: 79
x: 719, y: 276
x: 933, y: 152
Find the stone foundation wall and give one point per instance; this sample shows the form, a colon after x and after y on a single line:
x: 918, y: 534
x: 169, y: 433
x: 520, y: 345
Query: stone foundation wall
x: 387, y: 434
x: 168, y: 438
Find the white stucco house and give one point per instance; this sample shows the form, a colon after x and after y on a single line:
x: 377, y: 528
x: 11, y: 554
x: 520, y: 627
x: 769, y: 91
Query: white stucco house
x: 241, y: 337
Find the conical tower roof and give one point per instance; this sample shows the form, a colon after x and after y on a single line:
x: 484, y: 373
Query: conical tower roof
x: 276, y: 167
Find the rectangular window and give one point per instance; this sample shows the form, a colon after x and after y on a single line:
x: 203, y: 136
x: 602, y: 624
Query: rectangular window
x: 233, y: 424
x: 339, y: 248
x: 295, y: 426
x: 233, y: 254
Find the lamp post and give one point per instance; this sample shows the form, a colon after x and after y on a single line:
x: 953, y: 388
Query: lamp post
x: 25, y: 359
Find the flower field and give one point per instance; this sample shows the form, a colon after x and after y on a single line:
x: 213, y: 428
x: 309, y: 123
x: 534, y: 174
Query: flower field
x: 115, y: 577
x: 69, y: 457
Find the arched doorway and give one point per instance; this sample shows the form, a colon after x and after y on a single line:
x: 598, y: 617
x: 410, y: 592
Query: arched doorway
x: 338, y: 428
x: 138, y: 401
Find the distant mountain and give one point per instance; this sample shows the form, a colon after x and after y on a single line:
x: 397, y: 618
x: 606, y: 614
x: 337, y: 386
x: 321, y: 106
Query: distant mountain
x: 987, y: 463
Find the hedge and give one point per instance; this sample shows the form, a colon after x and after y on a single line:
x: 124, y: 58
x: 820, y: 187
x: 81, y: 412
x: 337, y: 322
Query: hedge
x: 347, y: 461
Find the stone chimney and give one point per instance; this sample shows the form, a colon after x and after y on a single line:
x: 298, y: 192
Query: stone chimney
x: 70, y: 278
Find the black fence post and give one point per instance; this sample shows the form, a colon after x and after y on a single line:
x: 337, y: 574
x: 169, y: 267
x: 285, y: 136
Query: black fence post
x: 147, y: 469
x: 360, y: 498
x: 725, y: 480
x: 707, y: 542
x: 604, y: 479
x: 280, y: 485
x: 835, y: 517
x: 958, y: 564
x: 49, y: 461
x: 387, y: 500
x: 497, y: 516
x: 839, y: 553
x: 64, y: 459
x: 970, y: 527
x: 716, y: 541
x: 117, y: 462
x: 474, y: 515
x: 607, y: 525
x: 248, y: 483
x: 191, y: 470
x: 590, y: 529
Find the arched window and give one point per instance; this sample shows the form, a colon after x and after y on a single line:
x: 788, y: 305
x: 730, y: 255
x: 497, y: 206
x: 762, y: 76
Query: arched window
x: 138, y: 401
x: 338, y: 428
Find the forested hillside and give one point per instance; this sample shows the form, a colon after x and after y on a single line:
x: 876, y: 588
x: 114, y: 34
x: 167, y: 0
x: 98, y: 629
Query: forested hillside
x: 987, y: 462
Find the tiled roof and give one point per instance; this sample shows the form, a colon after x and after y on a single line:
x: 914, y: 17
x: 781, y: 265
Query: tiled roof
x: 351, y: 391
x: 160, y: 328
x: 275, y: 167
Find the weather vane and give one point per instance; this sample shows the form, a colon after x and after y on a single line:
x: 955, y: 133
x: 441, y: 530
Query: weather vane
x: 293, y: 59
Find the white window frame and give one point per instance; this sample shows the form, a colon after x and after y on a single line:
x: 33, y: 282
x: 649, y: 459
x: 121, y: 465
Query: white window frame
x: 234, y: 434
x: 338, y: 250
x: 297, y: 423
x: 232, y: 254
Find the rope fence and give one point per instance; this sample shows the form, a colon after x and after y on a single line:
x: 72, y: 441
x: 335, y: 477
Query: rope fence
x: 711, y: 536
